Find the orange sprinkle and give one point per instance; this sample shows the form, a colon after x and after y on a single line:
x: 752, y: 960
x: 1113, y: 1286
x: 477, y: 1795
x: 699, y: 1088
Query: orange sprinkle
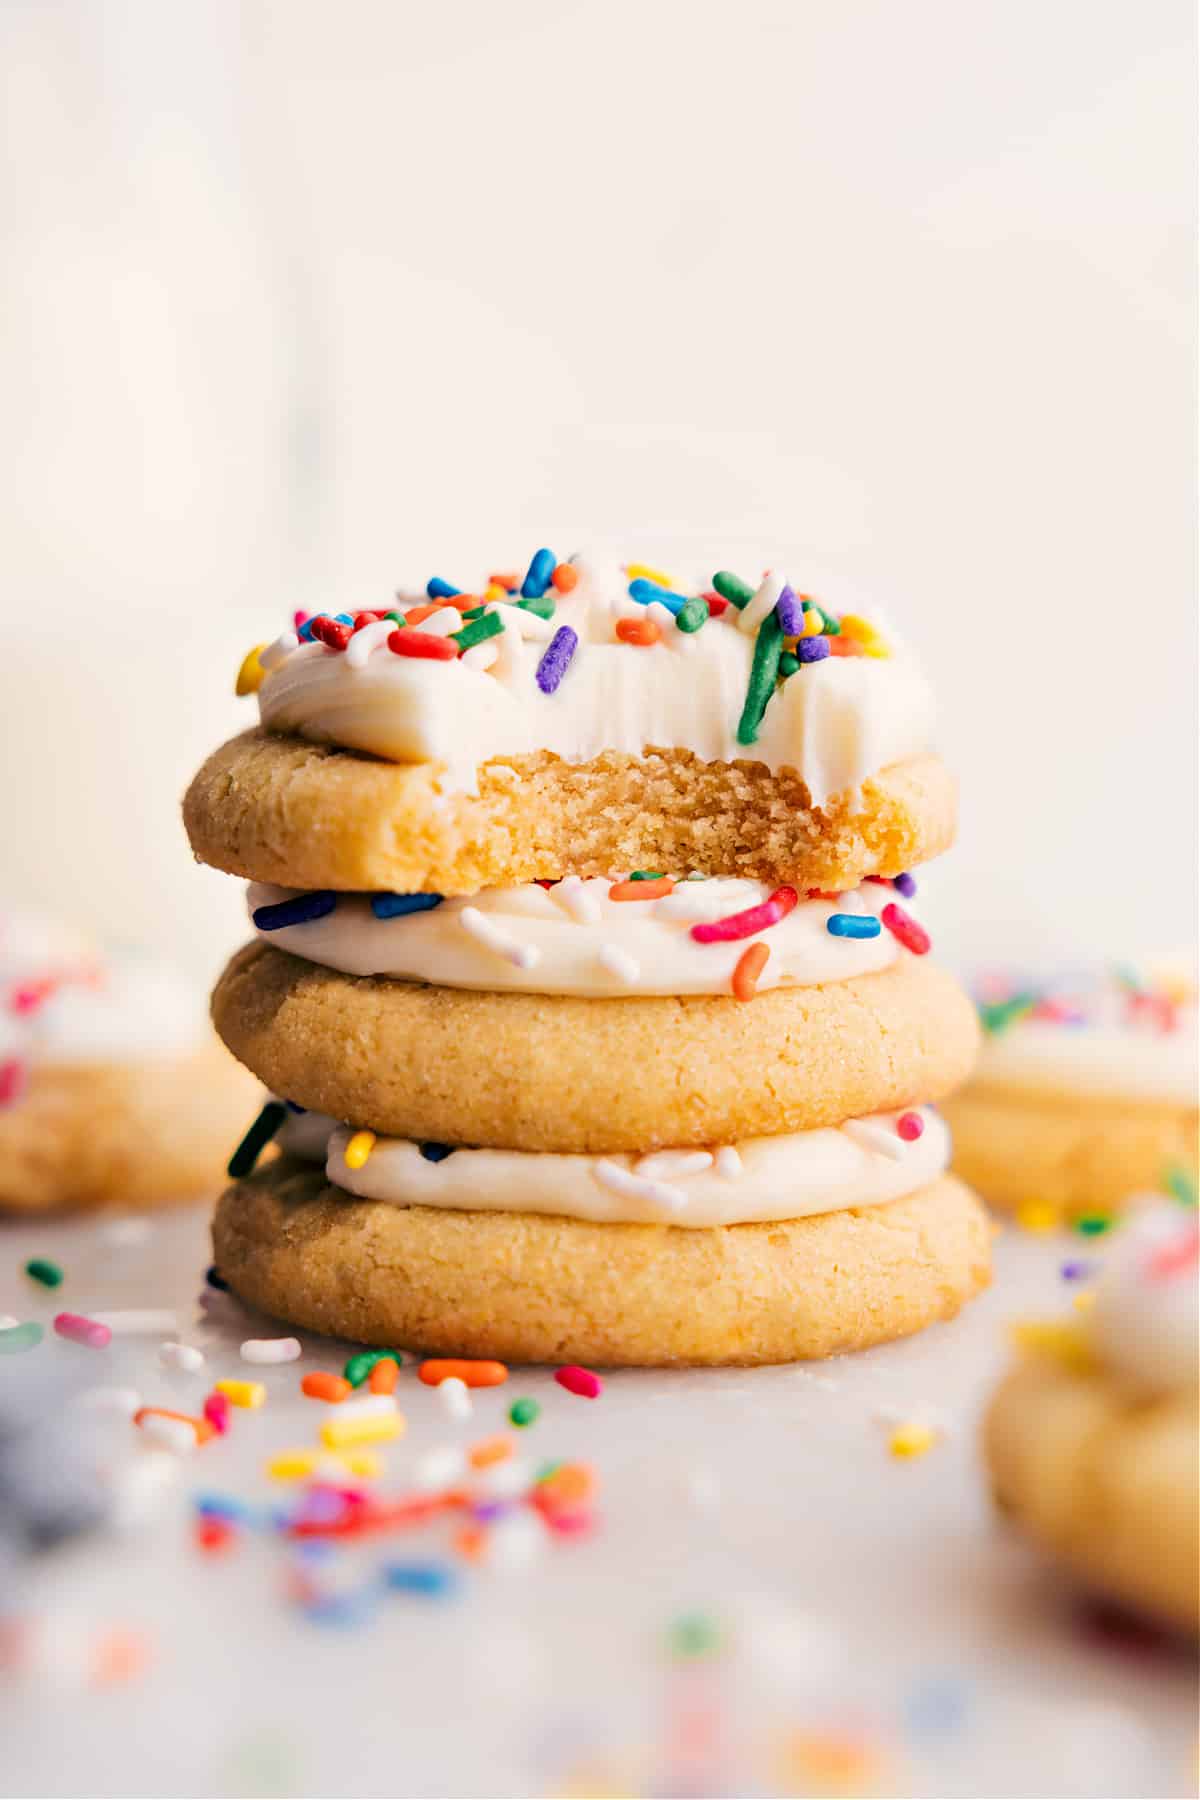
x: 201, y: 1427
x: 471, y: 1542
x: 845, y: 646
x: 417, y: 615
x: 119, y: 1655
x: 638, y: 631
x: 490, y: 1450
x: 568, y: 1486
x: 384, y: 1376
x: 564, y: 577
x: 326, y: 1387
x: 642, y: 890
x: 505, y: 581
x: 750, y: 966
x: 472, y: 1374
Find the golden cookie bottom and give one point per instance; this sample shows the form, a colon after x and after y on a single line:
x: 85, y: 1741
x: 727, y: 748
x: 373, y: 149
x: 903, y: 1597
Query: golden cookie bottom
x: 526, y: 1288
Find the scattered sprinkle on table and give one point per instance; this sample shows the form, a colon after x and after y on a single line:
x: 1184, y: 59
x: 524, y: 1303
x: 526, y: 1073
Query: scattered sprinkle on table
x: 41, y: 1269
x: 271, y: 1350
x: 583, y: 1382
x: 79, y: 1330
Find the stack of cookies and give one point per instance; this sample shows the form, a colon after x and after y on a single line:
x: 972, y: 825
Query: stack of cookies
x: 585, y: 985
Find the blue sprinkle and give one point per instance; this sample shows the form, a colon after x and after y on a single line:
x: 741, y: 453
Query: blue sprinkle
x: 395, y: 906
x: 790, y: 613
x: 436, y: 1153
x: 904, y: 884
x: 342, y: 1609
x: 852, y: 925
x: 557, y: 659
x: 437, y: 589
x: 300, y: 911
x: 223, y: 1506
x: 435, y: 1579
x: 644, y: 592
x: 538, y: 579
x: 813, y: 649
x: 215, y: 1279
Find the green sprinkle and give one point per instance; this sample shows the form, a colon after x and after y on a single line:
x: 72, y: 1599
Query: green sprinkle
x: 474, y: 612
x: 523, y: 1412
x: 478, y: 631
x: 1180, y: 1183
x: 1093, y: 1224
x: 732, y: 588
x: 694, y: 1634
x: 359, y: 1366
x: 398, y: 620
x: 547, y: 1470
x: 268, y: 1122
x: 692, y: 614
x: 1003, y: 1013
x: 788, y: 664
x: 16, y: 1338
x: 832, y: 627
x: 768, y: 648
x: 647, y: 875
x: 542, y: 605
x: 40, y: 1268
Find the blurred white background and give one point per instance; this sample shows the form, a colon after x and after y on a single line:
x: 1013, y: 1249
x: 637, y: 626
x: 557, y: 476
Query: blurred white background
x: 300, y: 299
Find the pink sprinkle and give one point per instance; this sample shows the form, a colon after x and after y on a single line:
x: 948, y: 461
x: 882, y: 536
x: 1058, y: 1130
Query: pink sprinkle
x: 745, y: 924
x: 914, y: 937
x: 579, y: 1381
x: 299, y: 619
x: 31, y: 995
x: 82, y: 1331
x: 909, y: 1126
x: 1177, y: 1257
x: 14, y: 1079
x: 216, y: 1411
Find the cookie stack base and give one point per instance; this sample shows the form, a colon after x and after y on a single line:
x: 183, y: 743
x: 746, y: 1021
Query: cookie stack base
x: 525, y: 1288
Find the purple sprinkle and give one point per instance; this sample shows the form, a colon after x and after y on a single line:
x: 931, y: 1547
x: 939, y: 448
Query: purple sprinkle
x: 813, y: 649
x: 790, y: 613
x: 557, y: 659
x: 904, y: 884
x: 1075, y: 1271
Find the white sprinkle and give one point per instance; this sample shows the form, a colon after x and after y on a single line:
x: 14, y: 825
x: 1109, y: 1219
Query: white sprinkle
x: 634, y: 1187
x: 368, y: 1407
x: 480, y: 656
x: 141, y: 1486
x: 673, y: 1165
x: 271, y: 1350
x: 506, y: 1480
x: 618, y: 962
x: 124, y: 1401
x: 880, y: 1138
x: 181, y: 1356
x: 455, y: 1397
x: 515, y: 1540
x: 363, y: 642
x: 574, y: 894
x: 485, y: 932
x: 275, y: 653
x: 7, y: 1322
x: 175, y: 1435
x: 124, y: 1233
x: 528, y: 624
x: 138, y: 1321
x: 728, y: 1162
x: 764, y: 601
x: 440, y: 1468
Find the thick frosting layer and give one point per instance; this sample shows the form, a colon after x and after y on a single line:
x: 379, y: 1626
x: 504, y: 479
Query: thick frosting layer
x: 62, y: 1002
x: 573, y: 938
x: 1145, y: 1321
x: 835, y: 721
x: 864, y: 1162
x: 1125, y: 1032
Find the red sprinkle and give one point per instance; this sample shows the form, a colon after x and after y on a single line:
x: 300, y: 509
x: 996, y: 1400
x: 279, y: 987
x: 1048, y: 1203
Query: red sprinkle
x: 716, y: 605
x: 216, y: 1411
x: 14, y: 1079
x: 367, y: 618
x: 332, y: 633
x: 914, y: 937
x: 745, y: 924
x: 214, y: 1535
x: 579, y: 1381
x: 422, y: 643
x: 910, y: 1126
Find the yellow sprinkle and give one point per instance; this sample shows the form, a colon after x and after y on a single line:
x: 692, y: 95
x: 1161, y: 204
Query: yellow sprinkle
x: 242, y: 1393
x: 251, y: 675
x: 878, y: 649
x: 854, y: 626
x: 1084, y: 1300
x: 1062, y: 1340
x: 495, y: 592
x: 913, y: 1439
x: 375, y: 1428
x: 358, y: 1149
x: 812, y: 624
x: 639, y: 572
x: 294, y: 1465
x: 1038, y: 1215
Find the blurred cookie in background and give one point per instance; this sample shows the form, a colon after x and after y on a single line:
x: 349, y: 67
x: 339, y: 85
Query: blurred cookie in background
x: 113, y: 1089
x: 1085, y: 1091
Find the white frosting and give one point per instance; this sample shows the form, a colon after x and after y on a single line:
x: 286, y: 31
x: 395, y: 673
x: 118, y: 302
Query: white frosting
x: 572, y: 939
x: 1107, y: 1042
x: 1144, y: 1323
x: 116, y: 1007
x: 788, y: 1177
x: 835, y: 722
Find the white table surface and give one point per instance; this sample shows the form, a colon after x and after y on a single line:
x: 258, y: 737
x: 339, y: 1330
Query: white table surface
x: 863, y: 1599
